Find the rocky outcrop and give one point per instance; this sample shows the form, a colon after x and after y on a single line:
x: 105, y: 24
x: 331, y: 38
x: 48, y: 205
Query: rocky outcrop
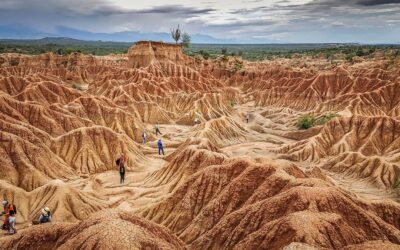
x: 105, y: 230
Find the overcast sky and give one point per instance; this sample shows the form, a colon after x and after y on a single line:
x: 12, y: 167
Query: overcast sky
x: 366, y: 21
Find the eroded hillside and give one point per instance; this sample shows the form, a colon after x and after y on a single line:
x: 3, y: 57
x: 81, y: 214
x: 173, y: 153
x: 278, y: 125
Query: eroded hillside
x: 224, y: 183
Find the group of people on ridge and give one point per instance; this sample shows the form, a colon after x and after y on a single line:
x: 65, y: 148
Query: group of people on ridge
x: 159, y: 142
x: 120, y: 162
x: 9, y: 212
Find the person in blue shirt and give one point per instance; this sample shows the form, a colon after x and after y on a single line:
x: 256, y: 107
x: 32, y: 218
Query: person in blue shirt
x: 160, y: 147
x: 11, y: 222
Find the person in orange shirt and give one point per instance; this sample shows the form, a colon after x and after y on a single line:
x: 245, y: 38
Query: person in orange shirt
x: 7, y: 207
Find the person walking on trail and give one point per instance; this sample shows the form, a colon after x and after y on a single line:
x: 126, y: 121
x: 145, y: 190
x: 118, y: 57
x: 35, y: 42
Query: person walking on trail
x: 160, y: 147
x: 157, y: 128
x: 45, y: 215
x: 247, y: 118
x: 144, y: 136
x: 121, y: 164
x: 7, y: 210
x: 11, y: 223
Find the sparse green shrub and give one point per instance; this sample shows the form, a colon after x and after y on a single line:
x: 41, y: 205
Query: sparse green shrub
x: 75, y: 86
x: 204, y: 54
x: 360, y: 53
x: 233, y: 103
x: 309, y: 121
x: 306, y: 122
x: 325, y: 118
x: 349, y: 58
x: 238, y: 66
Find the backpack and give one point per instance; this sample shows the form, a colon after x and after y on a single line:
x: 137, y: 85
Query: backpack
x: 45, y: 219
x: 15, y: 209
x: 12, y: 207
x: 117, y: 162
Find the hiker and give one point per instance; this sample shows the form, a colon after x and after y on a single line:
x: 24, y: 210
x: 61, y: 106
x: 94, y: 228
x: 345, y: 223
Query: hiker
x: 144, y: 136
x: 11, y: 223
x: 247, y: 118
x: 160, y: 147
x: 45, y: 215
x: 7, y: 209
x: 121, y: 164
x: 157, y: 128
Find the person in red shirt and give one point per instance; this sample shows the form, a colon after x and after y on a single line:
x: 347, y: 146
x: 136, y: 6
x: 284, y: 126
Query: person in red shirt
x: 7, y: 207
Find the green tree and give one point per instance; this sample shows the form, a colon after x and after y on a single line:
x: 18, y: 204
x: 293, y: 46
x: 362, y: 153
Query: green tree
x: 60, y: 51
x: 223, y: 51
x: 186, y: 40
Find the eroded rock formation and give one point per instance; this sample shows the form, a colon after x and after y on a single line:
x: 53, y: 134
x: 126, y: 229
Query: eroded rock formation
x: 224, y: 183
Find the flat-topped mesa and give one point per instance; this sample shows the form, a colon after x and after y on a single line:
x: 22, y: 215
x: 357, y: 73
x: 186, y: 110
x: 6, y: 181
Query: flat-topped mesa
x: 145, y: 53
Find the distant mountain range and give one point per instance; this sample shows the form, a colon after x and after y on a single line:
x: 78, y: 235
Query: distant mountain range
x: 21, y: 32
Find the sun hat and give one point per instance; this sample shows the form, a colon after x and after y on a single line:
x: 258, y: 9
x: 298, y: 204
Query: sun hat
x: 45, y: 211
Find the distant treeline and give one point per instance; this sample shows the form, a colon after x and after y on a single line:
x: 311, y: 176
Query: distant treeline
x: 250, y: 52
x: 254, y: 52
x: 62, y: 46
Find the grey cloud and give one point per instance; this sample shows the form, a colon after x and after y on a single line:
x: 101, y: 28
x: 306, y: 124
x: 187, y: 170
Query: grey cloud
x: 243, y: 23
x: 318, y: 19
x: 97, y: 7
x: 377, y: 2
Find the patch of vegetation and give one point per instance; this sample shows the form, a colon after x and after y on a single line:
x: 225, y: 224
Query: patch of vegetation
x: 233, y: 103
x: 204, y: 54
x: 255, y: 52
x: 62, y: 46
x: 250, y: 52
x: 238, y: 66
x: 349, y: 58
x: 325, y: 118
x: 306, y: 122
x: 309, y: 121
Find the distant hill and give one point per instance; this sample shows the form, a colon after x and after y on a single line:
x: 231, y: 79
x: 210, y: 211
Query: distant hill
x: 20, y: 32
